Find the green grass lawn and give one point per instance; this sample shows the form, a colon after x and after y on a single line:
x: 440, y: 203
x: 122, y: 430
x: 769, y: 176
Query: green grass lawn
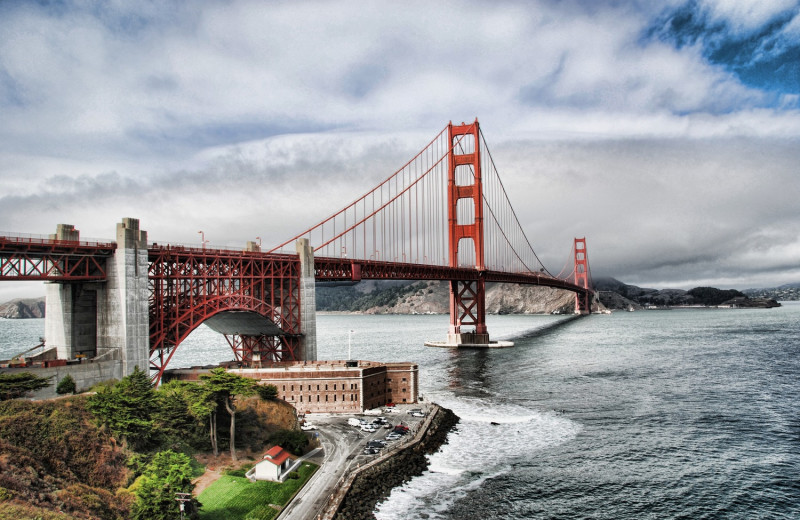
x: 236, y: 498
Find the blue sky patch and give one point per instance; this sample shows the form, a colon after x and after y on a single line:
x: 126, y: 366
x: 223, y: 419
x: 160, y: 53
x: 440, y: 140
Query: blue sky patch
x: 766, y: 57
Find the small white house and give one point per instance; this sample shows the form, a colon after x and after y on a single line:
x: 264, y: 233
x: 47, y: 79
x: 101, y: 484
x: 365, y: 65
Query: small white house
x: 272, y: 467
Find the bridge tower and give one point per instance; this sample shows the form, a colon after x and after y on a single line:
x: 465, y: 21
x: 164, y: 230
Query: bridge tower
x: 465, y: 230
x: 583, y: 301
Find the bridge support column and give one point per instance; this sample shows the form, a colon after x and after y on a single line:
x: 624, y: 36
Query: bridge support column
x: 583, y: 301
x: 308, y: 302
x: 123, y: 309
x: 71, y: 310
x: 468, y: 308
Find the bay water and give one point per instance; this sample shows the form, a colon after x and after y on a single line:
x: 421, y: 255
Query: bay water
x: 689, y: 413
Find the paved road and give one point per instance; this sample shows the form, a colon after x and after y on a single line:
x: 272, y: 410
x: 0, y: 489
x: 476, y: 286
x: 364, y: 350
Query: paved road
x: 343, y: 446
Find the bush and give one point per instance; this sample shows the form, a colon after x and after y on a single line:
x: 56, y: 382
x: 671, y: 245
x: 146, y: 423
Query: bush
x: 66, y: 385
x: 15, y: 385
x: 292, y: 440
x: 267, y: 392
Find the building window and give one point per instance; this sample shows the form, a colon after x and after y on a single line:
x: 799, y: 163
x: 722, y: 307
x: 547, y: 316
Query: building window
x: 292, y: 388
x: 334, y: 386
x: 317, y: 388
x: 284, y: 388
x: 404, y: 379
x: 404, y: 391
x: 301, y: 398
x: 326, y: 398
x: 334, y: 398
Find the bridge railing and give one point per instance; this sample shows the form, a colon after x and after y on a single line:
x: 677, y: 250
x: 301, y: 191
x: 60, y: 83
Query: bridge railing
x: 27, y: 238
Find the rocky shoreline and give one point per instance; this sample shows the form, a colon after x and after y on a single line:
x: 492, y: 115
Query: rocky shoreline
x: 374, y: 483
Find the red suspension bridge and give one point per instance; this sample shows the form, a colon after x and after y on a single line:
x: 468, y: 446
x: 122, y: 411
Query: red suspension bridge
x: 445, y: 215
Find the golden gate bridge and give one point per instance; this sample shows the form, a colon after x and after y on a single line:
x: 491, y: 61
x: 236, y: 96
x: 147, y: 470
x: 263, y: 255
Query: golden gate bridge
x: 445, y: 215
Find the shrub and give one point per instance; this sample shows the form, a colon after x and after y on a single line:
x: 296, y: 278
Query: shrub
x: 66, y: 385
x: 292, y: 440
x: 267, y: 392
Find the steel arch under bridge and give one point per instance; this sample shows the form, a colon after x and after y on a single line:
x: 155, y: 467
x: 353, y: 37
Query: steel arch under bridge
x: 252, y: 298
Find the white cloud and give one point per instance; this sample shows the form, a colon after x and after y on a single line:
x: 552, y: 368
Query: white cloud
x: 744, y: 16
x: 253, y: 119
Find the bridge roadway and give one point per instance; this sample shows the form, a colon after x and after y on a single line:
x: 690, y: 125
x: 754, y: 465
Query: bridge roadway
x: 343, y: 447
x: 327, y: 269
x: 40, y: 258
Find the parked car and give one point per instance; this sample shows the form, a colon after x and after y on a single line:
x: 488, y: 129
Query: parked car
x: 353, y: 422
x: 368, y: 428
x: 417, y: 414
x: 307, y: 427
x: 392, y: 436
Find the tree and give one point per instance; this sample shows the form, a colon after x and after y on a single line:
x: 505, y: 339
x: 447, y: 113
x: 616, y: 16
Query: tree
x: 20, y: 384
x: 167, y: 474
x: 66, y: 385
x: 223, y: 386
x: 267, y: 392
x: 291, y: 440
x: 183, y: 408
x: 127, y: 408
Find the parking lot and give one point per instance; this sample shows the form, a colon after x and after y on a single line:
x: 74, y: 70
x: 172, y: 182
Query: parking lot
x: 347, y: 446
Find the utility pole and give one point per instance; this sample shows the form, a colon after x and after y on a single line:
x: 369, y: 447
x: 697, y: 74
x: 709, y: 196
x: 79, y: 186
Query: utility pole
x: 182, y: 498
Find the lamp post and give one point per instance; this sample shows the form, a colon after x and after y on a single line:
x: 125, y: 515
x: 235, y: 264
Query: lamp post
x: 182, y: 498
x: 202, y: 239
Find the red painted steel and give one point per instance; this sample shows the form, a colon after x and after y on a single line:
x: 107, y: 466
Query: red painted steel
x: 29, y: 258
x: 188, y: 286
x: 581, y: 273
x: 405, y: 219
x: 467, y: 297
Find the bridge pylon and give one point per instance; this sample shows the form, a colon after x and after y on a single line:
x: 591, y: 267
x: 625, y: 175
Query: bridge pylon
x: 583, y: 301
x: 465, y: 231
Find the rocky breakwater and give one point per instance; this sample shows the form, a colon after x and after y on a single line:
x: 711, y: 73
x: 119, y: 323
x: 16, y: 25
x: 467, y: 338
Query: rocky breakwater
x: 372, y: 483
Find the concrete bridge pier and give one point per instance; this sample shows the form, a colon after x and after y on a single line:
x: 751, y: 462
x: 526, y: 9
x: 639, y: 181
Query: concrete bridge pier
x: 308, y: 302
x: 108, y: 320
x: 71, y: 310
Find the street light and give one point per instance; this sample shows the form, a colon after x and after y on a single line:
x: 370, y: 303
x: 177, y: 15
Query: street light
x: 202, y: 239
x: 182, y: 498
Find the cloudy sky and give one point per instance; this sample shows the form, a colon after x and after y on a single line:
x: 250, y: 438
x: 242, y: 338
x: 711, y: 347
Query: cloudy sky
x: 667, y: 133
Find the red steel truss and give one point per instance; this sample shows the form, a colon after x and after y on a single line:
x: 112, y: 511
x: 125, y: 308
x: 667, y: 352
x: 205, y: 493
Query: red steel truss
x: 28, y: 258
x: 467, y: 297
x: 188, y: 286
x: 583, y: 300
x: 346, y: 270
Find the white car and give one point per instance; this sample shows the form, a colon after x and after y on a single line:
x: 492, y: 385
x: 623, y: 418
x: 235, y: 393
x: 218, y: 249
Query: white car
x: 307, y: 426
x: 368, y: 428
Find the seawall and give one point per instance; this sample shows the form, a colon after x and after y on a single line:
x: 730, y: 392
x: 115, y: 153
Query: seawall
x: 371, y: 483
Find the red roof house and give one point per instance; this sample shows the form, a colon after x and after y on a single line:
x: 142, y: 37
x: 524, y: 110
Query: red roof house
x: 272, y: 466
